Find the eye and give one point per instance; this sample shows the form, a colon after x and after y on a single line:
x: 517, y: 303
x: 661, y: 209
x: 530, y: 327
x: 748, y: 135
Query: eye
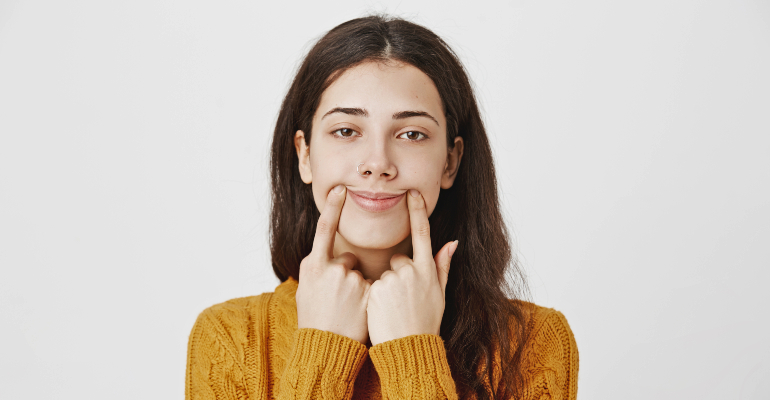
x: 344, y: 132
x: 414, y: 136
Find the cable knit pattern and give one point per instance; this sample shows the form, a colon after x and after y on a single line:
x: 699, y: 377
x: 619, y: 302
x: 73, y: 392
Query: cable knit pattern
x: 414, y: 367
x: 551, y: 357
x: 250, y: 348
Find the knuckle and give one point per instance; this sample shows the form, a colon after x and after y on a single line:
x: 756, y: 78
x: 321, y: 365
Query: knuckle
x: 355, y: 277
x: 407, y: 271
x: 310, y: 261
x: 306, y: 266
x: 354, y: 274
x: 423, y: 229
x: 347, y: 258
x: 337, y: 270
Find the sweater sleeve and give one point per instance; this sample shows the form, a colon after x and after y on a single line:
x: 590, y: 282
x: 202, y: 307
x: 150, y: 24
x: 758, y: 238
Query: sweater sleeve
x: 215, y: 369
x: 322, y: 365
x: 551, y: 361
x: 227, y: 359
x: 413, y: 367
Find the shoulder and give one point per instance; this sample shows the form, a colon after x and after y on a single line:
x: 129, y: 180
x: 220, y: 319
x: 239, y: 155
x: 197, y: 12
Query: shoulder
x: 547, y: 329
x: 219, y: 345
x: 235, y: 308
x: 545, y: 319
x: 233, y: 319
x: 228, y: 322
x: 551, y: 349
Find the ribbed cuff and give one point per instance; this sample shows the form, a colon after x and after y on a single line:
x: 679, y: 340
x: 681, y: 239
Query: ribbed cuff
x: 414, y: 366
x: 336, y: 355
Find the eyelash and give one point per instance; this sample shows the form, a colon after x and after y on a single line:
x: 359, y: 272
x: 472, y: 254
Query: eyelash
x: 334, y: 133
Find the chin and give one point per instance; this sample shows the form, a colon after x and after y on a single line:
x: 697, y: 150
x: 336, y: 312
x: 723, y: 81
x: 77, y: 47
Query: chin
x: 372, y: 236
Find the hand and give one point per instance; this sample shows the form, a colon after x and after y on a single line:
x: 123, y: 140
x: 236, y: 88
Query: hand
x: 331, y: 296
x: 409, y: 299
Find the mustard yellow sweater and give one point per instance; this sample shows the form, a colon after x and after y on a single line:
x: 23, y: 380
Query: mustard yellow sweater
x: 250, y: 348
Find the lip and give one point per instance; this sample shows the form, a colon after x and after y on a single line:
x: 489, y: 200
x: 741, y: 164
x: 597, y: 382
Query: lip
x: 375, y: 202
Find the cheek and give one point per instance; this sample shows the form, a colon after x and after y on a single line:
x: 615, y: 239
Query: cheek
x: 328, y: 172
x: 427, y: 180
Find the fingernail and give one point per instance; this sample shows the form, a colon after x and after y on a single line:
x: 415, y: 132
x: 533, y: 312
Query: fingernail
x: 414, y: 192
x: 338, y: 189
x: 452, y: 248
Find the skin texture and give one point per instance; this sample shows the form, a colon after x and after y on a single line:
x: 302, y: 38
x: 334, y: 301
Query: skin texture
x: 372, y: 274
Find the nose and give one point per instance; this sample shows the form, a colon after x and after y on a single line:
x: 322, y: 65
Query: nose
x: 377, y: 163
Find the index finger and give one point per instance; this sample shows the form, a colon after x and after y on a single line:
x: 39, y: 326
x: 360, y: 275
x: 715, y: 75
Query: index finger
x: 418, y: 219
x: 326, y: 229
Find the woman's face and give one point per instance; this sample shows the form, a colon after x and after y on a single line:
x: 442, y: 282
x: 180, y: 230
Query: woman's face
x: 387, y: 120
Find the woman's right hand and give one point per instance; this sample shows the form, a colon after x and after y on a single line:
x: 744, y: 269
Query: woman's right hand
x: 331, y: 296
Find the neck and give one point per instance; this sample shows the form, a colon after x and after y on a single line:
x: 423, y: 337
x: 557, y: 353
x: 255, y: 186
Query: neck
x: 372, y: 262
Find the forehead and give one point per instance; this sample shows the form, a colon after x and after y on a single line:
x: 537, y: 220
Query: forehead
x: 382, y: 89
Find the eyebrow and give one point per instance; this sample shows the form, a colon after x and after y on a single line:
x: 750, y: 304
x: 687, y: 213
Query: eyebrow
x: 409, y: 114
x: 347, y: 110
x: 363, y: 113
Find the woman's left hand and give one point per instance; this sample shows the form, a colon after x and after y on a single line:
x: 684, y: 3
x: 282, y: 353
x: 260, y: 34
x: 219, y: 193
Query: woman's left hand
x: 409, y: 299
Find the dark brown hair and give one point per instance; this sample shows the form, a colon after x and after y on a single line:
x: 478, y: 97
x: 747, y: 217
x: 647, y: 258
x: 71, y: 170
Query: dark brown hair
x: 482, y: 316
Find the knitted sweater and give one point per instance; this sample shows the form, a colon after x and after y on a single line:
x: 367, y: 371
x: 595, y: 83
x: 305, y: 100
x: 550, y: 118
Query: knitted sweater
x: 250, y: 348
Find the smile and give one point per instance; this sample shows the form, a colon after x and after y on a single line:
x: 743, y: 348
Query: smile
x: 375, y: 202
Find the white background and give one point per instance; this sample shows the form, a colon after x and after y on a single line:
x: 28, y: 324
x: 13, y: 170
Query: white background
x: 632, y: 141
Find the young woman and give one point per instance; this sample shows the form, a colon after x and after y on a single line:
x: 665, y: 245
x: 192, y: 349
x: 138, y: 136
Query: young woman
x: 396, y: 268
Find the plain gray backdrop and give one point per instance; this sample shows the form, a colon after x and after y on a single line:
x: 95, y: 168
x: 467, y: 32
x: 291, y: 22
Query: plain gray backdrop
x: 632, y: 144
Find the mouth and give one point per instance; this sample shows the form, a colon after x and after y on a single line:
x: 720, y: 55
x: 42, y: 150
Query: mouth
x: 375, y: 202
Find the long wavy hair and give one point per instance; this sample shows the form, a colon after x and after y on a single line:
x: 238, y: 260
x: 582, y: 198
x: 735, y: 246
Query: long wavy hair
x: 483, y: 316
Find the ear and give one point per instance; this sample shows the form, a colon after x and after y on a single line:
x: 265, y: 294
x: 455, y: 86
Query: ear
x: 452, y: 164
x: 303, y: 154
